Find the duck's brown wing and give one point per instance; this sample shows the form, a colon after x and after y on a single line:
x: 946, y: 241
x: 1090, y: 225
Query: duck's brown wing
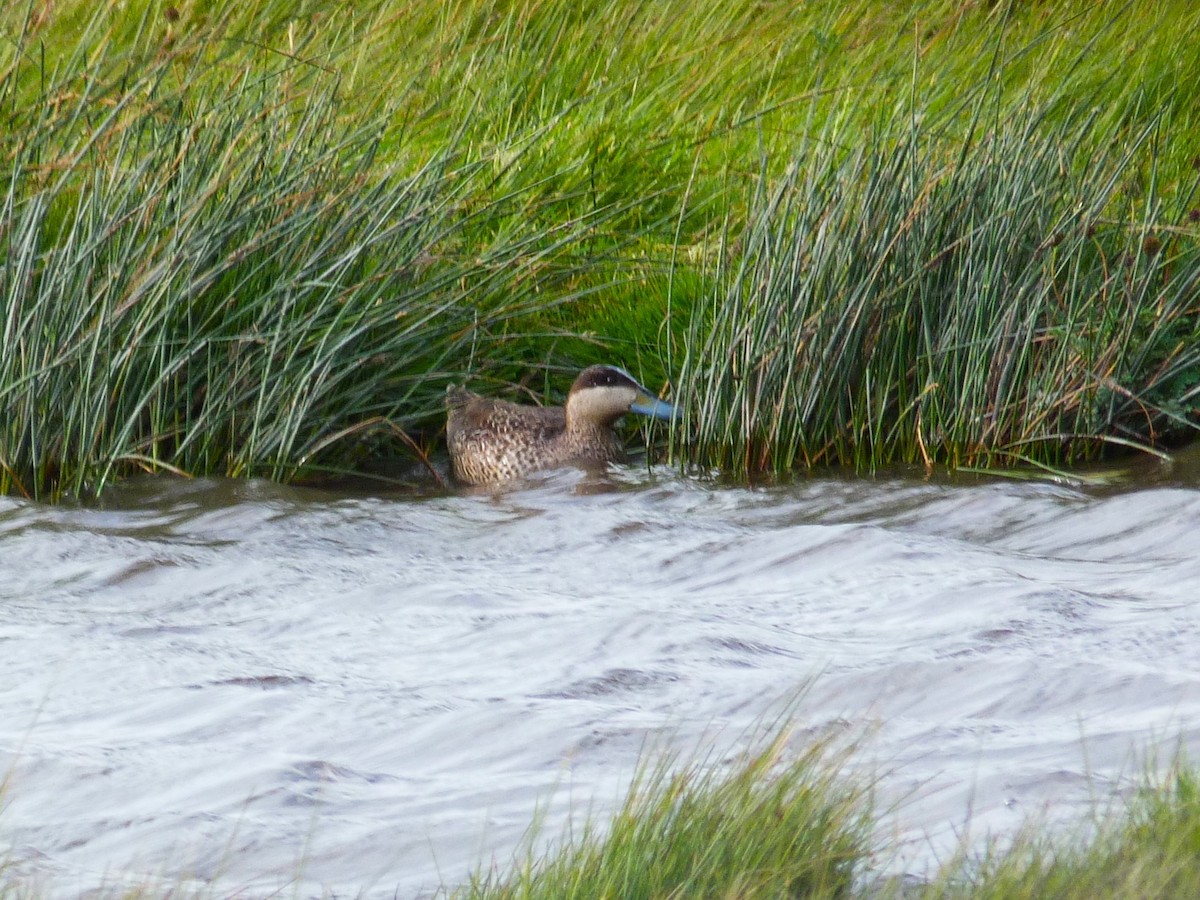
x: 467, y: 412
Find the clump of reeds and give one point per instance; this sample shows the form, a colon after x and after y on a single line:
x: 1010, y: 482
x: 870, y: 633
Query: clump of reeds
x: 988, y: 284
x: 771, y: 825
x: 228, y: 281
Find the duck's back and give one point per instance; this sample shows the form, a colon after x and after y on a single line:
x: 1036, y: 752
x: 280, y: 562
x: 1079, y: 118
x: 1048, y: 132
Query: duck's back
x: 494, y: 440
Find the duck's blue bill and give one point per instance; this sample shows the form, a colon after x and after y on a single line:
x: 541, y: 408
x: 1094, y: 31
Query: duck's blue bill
x: 648, y: 405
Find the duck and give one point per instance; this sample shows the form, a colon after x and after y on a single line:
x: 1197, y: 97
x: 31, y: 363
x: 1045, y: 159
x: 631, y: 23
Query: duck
x: 493, y: 441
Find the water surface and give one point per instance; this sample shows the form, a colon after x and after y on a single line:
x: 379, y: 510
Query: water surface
x: 270, y: 686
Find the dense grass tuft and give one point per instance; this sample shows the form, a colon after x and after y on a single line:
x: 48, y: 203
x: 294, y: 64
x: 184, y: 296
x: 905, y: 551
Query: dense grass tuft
x: 773, y: 825
x: 1151, y: 849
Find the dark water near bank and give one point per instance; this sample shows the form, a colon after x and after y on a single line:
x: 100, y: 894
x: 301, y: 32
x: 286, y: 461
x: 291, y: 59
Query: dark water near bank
x: 259, y: 684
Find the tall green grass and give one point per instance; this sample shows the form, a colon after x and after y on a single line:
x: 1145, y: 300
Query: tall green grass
x: 991, y: 283
x: 233, y: 282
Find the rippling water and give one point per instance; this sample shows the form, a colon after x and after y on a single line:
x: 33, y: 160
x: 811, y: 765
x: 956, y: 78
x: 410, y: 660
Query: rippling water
x: 258, y: 684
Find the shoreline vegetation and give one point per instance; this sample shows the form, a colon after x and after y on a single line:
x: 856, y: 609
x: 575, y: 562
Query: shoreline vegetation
x: 787, y: 818
x: 261, y: 238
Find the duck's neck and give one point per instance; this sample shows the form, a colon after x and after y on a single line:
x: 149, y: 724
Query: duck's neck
x: 592, y: 440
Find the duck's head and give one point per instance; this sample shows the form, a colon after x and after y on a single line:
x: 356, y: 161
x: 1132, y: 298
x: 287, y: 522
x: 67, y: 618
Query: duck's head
x: 602, y: 394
